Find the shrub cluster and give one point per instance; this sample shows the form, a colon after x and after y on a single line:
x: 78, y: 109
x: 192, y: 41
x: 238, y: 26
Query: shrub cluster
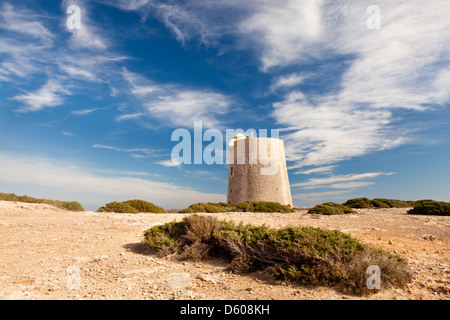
x: 247, y: 206
x: 330, y: 208
x: 431, y: 207
x: 305, y: 255
x: 263, y: 206
x: 67, y: 205
x: 131, y: 206
x: 366, y: 203
x: 209, y: 207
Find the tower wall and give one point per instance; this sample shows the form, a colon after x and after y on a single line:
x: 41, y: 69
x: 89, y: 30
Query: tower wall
x: 245, y: 179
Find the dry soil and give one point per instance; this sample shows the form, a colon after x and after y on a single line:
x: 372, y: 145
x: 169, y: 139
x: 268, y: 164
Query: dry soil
x: 49, y: 253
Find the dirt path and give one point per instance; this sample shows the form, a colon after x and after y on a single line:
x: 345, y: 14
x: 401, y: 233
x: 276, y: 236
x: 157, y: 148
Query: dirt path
x: 48, y: 253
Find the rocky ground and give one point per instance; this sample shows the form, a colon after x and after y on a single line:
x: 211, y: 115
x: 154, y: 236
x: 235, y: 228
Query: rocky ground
x: 48, y: 253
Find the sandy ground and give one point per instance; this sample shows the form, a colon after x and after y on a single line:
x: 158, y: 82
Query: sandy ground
x: 48, y: 253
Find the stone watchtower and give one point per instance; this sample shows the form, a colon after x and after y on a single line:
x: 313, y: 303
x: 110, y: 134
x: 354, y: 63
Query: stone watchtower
x: 257, y: 170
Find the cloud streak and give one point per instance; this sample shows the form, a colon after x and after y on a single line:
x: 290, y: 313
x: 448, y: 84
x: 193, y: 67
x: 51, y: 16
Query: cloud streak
x: 175, y: 105
x: 397, y: 67
x: 340, y: 181
x: 134, y: 151
x: 31, y: 51
x: 51, y: 94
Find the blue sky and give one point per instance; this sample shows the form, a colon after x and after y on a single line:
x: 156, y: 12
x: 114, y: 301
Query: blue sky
x: 87, y: 114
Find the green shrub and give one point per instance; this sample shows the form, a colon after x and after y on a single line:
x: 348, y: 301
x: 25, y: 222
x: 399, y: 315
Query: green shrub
x: 359, y: 203
x: 144, y: 206
x: 131, y: 206
x: 377, y: 203
x: 330, y: 208
x: 208, y: 208
x: 304, y: 255
x: 72, y: 206
x: 380, y: 204
x: 431, y: 207
x: 390, y: 203
x: 69, y: 206
x: 247, y: 206
x: 263, y: 206
x: 117, y: 207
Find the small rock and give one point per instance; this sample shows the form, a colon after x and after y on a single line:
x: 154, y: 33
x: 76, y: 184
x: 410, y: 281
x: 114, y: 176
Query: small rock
x: 100, y: 258
x: 206, y: 278
x: 178, y: 280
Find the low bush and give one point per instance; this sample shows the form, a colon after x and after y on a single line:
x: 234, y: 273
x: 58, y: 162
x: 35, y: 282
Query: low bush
x: 144, y: 206
x: 365, y: 203
x: 247, y: 206
x: 431, y: 207
x: 390, y: 203
x: 359, y: 203
x: 305, y: 255
x: 131, y: 206
x: 263, y: 206
x: 69, y: 206
x: 380, y: 204
x: 209, y: 207
x: 330, y: 208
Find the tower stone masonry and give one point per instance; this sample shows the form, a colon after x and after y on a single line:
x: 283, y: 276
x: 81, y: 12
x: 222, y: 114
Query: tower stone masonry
x: 257, y: 171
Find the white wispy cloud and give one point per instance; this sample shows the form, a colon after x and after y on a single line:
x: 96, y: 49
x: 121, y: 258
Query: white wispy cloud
x: 77, y: 72
x: 399, y: 66
x: 129, y: 4
x: 138, y: 156
x: 321, y: 170
x: 30, y: 48
x: 23, y: 38
x: 176, y: 105
x: 23, y: 22
x: 339, y: 181
x: 130, y: 116
x: 133, y: 151
x: 351, y: 185
x: 279, y: 32
x: 288, y: 81
x: 327, y: 132
x: 183, y: 107
x: 50, y: 94
x: 68, y: 134
x: 83, y: 112
x: 168, y: 163
x: 284, y: 31
x: 88, y: 36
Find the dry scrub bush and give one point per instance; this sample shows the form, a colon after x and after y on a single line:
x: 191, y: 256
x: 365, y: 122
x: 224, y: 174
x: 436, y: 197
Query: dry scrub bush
x: 330, y: 208
x: 309, y: 256
x: 131, y: 206
x: 66, y: 205
x: 247, y: 206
